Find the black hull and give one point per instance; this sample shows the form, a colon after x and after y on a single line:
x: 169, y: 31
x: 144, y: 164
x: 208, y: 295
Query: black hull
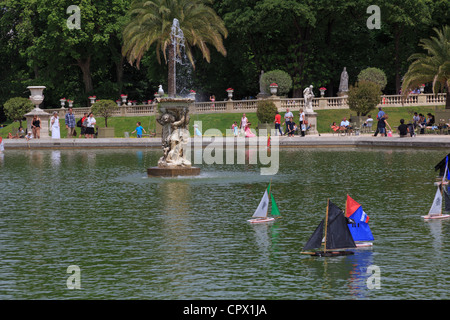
x: 331, y: 253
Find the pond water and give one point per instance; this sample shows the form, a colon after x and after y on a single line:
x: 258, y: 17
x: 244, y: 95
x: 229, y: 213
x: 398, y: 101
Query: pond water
x: 135, y: 237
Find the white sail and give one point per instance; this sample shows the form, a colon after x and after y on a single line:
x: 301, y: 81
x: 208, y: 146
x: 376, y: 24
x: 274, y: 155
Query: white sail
x: 436, y: 207
x: 261, y: 211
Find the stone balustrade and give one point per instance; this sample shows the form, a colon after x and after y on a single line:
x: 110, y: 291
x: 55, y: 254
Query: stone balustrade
x: 294, y: 104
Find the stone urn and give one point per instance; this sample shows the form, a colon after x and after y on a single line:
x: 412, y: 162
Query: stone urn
x: 230, y: 93
x: 37, y: 98
x: 273, y: 89
x: 322, y: 91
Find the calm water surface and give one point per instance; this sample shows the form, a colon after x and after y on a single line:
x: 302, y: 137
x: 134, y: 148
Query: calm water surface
x: 135, y: 237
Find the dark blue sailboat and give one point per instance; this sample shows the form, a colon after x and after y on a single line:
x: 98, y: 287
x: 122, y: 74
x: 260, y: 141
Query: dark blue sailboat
x: 335, y: 232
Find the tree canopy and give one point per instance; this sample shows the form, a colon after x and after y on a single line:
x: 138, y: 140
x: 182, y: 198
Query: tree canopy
x: 310, y: 40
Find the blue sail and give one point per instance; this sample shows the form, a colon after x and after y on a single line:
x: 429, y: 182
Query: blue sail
x: 360, y: 229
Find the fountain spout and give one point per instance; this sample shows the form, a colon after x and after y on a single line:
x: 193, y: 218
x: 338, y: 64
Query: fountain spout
x: 177, y: 39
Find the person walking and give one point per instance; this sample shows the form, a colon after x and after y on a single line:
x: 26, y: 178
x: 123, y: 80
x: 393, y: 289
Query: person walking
x: 54, y: 125
x: 70, y: 123
x: 243, y: 124
x: 139, y: 130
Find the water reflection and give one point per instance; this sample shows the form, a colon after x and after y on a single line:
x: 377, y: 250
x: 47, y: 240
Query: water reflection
x: 188, y: 238
x: 56, y: 158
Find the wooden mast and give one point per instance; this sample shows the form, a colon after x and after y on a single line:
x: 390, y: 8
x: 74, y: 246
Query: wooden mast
x: 326, y: 226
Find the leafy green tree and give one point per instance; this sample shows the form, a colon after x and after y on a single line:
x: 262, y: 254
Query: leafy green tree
x: 434, y: 66
x: 363, y: 97
x: 16, y: 108
x: 104, y: 108
x: 151, y: 22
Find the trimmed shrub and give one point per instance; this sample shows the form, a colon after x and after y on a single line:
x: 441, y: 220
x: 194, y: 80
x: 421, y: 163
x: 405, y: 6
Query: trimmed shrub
x: 266, y: 111
x: 374, y: 75
x: 281, y: 78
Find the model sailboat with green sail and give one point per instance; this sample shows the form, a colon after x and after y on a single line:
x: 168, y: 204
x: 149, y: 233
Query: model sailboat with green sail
x: 262, y: 211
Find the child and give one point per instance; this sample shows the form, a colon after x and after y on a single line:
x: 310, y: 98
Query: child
x: 139, y: 130
x: 197, y: 132
x: 29, y: 136
x: 235, y: 129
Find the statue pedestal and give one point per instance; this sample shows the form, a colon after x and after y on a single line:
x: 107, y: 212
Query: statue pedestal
x: 172, y: 171
x: 342, y: 94
x: 311, y: 116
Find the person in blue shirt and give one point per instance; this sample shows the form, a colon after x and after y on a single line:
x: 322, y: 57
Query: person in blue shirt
x: 381, y: 113
x: 139, y: 130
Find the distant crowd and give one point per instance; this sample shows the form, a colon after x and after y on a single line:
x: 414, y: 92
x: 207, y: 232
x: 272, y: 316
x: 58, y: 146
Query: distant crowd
x: 419, y: 123
x: 86, y: 125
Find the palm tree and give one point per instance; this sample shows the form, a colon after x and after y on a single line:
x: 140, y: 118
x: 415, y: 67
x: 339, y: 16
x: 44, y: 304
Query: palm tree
x: 151, y: 23
x: 431, y: 67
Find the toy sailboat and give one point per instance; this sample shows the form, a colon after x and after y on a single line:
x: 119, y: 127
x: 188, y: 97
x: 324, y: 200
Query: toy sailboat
x: 441, y: 192
x: 262, y: 211
x: 337, y: 235
x: 360, y: 230
x: 436, y: 208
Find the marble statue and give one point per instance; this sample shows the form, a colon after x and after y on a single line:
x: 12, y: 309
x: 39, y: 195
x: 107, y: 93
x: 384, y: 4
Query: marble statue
x: 262, y: 90
x: 308, y: 95
x: 343, y: 85
x: 175, y: 135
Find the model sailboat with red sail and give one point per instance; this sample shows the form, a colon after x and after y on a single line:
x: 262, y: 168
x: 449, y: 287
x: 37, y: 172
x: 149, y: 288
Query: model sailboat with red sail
x: 359, y: 226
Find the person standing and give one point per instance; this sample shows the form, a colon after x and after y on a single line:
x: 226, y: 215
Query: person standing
x: 90, y: 126
x: 287, y: 116
x: 70, y: 123
x: 302, y: 120
x: 243, y: 123
x: 83, y: 125
x: 54, y: 125
x: 213, y: 100
x: 278, y: 123
x: 36, y: 127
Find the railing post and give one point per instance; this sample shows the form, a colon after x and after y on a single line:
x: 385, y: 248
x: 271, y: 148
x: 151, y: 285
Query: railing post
x: 323, y: 103
x: 229, y: 105
x: 276, y: 100
x: 422, y: 99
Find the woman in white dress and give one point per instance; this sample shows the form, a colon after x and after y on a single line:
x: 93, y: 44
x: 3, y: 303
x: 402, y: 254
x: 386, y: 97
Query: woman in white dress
x: 90, y: 128
x: 54, y: 125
